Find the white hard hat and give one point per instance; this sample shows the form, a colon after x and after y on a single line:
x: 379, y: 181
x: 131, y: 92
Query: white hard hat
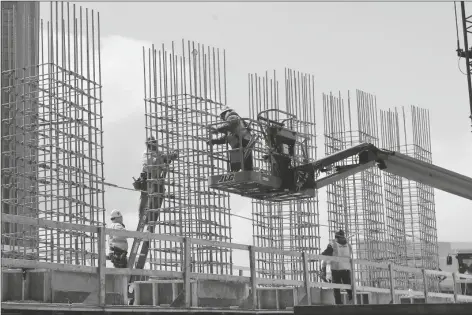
x: 115, y: 214
x: 224, y: 110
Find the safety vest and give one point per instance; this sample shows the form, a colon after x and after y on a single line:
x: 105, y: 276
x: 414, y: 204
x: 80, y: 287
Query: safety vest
x: 341, y: 251
x: 118, y: 241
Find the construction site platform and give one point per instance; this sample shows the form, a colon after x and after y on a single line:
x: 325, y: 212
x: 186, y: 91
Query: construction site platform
x: 50, y: 308
x: 256, y: 185
x: 386, y: 309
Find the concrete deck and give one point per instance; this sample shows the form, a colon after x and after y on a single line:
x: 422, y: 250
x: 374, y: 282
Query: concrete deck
x: 385, y: 309
x: 404, y: 309
x: 51, y: 308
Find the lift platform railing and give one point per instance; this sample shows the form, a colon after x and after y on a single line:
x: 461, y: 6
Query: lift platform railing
x: 242, y: 152
x: 274, y: 146
x: 253, y: 280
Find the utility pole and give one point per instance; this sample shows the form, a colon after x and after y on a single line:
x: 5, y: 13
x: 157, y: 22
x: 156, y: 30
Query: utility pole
x: 466, y: 52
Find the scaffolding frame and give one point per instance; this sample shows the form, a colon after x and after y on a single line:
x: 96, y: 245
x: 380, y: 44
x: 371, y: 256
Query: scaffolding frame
x: 293, y: 224
x: 54, y: 124
x: 183, y: 94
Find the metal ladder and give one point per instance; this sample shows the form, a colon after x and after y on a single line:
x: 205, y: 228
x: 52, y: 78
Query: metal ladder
x: 143, y: 220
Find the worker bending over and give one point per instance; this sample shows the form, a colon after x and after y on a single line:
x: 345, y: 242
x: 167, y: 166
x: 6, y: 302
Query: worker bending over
x: 340, y: 271
x: 153, y: 163
x: 118, y: 244
x: 236, y: 134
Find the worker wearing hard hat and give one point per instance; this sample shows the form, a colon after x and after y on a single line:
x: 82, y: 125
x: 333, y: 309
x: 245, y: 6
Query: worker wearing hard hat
x: 153, y: 163
x: 236, y: 134
x: 118, y: 244
x: 340, y: 271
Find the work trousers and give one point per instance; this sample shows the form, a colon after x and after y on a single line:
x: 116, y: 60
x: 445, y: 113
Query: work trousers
x: 341, y: 277
x: 118, y: 257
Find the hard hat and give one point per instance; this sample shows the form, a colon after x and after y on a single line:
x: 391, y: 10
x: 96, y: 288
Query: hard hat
x: 115, y: 214
x: 151, y: 140
x: 225, y: 110
x: 339, y: 233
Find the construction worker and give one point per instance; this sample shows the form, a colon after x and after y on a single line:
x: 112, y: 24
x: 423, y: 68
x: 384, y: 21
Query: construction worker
x: 469, y: 285
x: 118, y: 245
x: 153, y: 162
x: 236, y: 134
x: 340, y: 271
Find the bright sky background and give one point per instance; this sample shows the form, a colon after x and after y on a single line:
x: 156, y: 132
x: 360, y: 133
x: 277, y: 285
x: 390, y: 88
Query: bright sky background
x: 404, y: 53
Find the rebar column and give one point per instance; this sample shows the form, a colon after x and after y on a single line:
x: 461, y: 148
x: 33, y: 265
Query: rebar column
x: 62, y: 129
x: 292, y: 224
x: 184, y: 92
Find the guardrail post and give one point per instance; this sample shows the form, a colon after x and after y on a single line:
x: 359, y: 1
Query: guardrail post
x: 353, y: 282
x: 253, y: 278
x: 392, y: 283
x: 425, y: 285
x: 102, y: 265
x: 187, y: 270
x: 306, y: 278
x: 454, y: 286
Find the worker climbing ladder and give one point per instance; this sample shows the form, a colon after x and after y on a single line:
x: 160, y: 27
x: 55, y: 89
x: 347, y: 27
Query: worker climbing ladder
x: 148, y: 190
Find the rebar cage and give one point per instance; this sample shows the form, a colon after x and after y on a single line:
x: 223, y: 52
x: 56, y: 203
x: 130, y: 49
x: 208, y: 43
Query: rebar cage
x: 183, y: 93
x: 381, y: 212
x: 52, y: 153
x: 286, y: 223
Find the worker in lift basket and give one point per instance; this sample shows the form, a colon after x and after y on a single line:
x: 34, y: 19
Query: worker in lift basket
x: 153, y: 163
x: 118, y: 244
x: 340, y: 271
x: 236, y: 133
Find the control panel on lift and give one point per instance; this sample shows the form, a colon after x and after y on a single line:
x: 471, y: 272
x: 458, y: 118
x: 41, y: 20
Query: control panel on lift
x: 274, y: 143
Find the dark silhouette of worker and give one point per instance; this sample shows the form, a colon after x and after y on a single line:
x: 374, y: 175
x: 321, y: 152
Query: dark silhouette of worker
x: 340, y: 271
x: 153, y: 167
x: 236, y: 134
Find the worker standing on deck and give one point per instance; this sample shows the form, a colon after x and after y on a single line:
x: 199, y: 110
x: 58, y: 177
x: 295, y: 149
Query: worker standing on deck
x: 340, y: 271
x: 118, y: 244
x: 153, y: 163
x: 236, y: 133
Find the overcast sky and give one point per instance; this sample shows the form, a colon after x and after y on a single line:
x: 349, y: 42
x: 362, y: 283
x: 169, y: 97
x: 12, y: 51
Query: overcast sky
x: 404, y: 53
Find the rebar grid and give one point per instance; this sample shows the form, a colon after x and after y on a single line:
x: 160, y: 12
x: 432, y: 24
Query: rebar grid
x: 396, y: 237
x: 288, y: 225
x: 355, y: 204
x: 420, y: 214
x: 183, y: 94
x: 19, y: 35
x: 53, y: 123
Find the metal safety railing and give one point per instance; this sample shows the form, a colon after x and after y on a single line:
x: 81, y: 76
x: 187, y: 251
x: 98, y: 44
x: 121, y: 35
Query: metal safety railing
x: 188, y: 275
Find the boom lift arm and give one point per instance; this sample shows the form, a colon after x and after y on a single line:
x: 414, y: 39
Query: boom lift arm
x: 394, y: 163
